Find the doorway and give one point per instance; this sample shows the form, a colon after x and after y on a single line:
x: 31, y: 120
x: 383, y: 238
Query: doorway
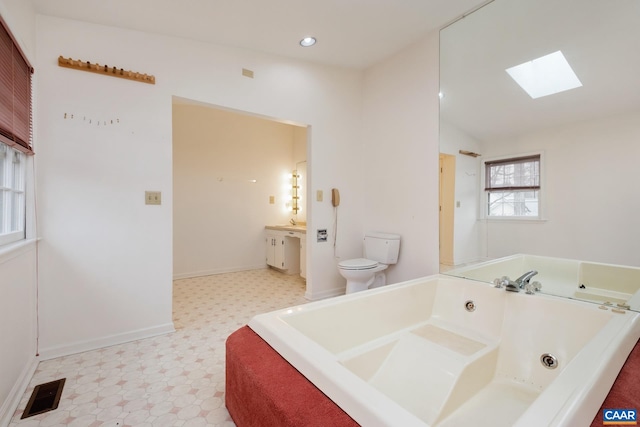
x: 232, y: 174
x: 447, y: 208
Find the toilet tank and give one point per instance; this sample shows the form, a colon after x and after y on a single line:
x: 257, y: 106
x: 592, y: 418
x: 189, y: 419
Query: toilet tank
x: 382, y: 247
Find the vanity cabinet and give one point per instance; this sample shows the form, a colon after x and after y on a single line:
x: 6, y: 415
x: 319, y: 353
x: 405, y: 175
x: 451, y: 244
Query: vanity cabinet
x: 275, y: 250
x: 283, y: 250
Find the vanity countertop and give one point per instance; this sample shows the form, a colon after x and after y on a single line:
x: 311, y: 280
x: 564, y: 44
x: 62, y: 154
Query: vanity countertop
x: 288, y: 227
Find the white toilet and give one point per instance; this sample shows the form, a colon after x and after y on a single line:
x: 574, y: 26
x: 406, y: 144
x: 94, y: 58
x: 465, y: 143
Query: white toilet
x: 380, y: 250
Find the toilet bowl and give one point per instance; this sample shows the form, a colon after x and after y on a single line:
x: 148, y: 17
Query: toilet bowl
x: 362, y: 273
x: 380, y: 250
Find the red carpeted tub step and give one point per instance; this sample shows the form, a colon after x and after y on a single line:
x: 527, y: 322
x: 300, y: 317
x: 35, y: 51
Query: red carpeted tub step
x: 625, y: 392
x: 263, y: 389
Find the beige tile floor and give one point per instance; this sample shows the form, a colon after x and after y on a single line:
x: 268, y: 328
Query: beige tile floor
x: 169, y: 380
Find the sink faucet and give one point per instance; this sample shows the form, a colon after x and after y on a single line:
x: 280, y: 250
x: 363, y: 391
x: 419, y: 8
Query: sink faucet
x: 521, y: 282
x: 293, y: 221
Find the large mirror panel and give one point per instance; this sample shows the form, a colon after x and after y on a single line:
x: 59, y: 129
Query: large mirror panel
x: 583, y: 223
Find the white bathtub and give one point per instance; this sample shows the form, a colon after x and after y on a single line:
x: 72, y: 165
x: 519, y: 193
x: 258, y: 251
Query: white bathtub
x: 616, y: 284
x: 411, y: 354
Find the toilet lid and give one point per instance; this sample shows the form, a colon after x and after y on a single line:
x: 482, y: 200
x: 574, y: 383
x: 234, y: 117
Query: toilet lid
x: 358, y: 264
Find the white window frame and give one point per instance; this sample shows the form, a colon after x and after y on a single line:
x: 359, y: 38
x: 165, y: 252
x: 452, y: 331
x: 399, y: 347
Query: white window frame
x: 13, y: 194
x: 484, y: 198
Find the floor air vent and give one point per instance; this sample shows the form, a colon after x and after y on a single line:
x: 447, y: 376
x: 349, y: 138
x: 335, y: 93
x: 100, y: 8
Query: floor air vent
x: 45, y: 397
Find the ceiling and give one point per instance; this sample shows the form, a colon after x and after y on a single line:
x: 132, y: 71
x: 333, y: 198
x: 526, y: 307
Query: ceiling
x: 350, y: 33
x: 601, y: 41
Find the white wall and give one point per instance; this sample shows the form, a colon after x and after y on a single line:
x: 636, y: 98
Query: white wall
x: 400, y: 155
x: 590, y: 193
x: 18, y: 323
x: 468, y: 244
x: 17, y: 326
x: 20, y: 16
x: 218, y: 214
x: 299, y: 144
x: 106, y: 257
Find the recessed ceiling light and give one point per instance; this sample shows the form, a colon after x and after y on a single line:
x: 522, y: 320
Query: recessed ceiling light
x: 546, y: 75
x: 308, y: 41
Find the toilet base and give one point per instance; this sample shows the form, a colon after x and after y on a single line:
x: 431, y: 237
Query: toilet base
x: 378, y: 280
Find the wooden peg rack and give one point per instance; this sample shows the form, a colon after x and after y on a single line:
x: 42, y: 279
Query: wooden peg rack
x: 106, y: 70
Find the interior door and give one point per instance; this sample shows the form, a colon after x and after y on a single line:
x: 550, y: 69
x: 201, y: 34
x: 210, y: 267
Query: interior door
x: 447, y: 207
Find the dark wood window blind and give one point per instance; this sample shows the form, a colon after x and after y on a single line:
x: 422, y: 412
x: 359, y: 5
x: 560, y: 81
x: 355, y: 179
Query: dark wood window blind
x: 519, y: 173
x: 15, y: 93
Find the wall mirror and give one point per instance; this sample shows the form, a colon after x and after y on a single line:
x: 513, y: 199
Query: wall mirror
x: 587, y: 137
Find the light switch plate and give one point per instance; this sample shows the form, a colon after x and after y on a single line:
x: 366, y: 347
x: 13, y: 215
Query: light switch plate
x: 319, y: 195
x: 152, y: 198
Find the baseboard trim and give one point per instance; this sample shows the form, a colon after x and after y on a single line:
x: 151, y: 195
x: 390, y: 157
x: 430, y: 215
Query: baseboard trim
x: 10, y: 405
x: 94, y: 344
x: 324, y: 294
x: 178, y: 276
x: 464, y: 263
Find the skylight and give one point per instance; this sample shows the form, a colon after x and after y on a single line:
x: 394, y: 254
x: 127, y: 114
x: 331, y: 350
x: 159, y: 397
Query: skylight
x: 546, y: 75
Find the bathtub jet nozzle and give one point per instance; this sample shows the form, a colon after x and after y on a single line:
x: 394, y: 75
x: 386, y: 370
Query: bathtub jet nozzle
x: 549, y: 361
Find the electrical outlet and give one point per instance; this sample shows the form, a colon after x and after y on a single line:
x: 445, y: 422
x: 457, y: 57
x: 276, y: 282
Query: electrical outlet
x: 272, y: 200
x: 152, y: 198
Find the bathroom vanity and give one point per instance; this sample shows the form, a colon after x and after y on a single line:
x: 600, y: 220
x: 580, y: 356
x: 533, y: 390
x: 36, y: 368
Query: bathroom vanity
x: 285, y: 247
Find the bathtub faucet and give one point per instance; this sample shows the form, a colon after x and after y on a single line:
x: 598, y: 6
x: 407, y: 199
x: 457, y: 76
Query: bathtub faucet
x: 525, y: 278
x: 522, y: 282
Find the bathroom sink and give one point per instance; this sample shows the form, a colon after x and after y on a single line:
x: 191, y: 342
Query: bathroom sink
x: 288, y: 227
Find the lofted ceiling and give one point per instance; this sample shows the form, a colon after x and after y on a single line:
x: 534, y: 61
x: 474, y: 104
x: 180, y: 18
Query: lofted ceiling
x: 601, y: 41
x: 350, y: 33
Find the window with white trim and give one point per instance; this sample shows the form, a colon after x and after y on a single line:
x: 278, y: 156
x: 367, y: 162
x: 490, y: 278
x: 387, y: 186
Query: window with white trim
x: 15, y: 134
x: 12, y: 198
x: 512, y: 187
